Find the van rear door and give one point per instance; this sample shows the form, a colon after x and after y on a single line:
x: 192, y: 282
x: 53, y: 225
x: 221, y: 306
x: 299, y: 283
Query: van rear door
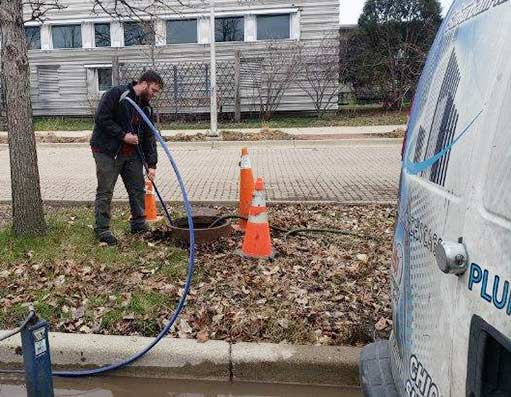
x: 482, y: 342
x: 443, y: 174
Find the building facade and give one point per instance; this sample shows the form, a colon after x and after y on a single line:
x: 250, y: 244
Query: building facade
x: 71, y: 53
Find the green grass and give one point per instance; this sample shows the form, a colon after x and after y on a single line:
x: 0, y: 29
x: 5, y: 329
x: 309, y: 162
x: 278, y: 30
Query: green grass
x: 148, y: 302
x: 41, y: 249
x: 347, y: 116
x: 143, y: 303
x: 36, y: 263
x: 63, y: 123
x: 99, y: 300
x: 70, y: 235
x: 112, y: 317
x: 17, y: 313
x: 174, y: 265
x: 147, y: 327
x: 44, y: 310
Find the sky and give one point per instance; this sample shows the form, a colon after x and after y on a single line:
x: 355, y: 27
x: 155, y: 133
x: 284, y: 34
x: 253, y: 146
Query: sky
x: 351, y: 9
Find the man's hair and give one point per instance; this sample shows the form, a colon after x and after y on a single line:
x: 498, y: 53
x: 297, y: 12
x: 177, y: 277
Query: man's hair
x: 151, y: 76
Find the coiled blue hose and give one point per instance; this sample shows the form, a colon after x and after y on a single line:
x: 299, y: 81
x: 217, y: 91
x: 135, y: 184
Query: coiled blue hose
x: 191, y: 267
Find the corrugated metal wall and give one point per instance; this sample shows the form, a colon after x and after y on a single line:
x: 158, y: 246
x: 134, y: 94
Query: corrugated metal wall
x: 316, y: 17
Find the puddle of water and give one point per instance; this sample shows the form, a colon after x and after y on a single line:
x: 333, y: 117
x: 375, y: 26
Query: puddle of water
x: 135, y: 387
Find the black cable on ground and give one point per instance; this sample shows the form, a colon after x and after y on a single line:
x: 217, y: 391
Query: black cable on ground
x: 225, y: 217
x: 332, y: 231
x: 292, y: 232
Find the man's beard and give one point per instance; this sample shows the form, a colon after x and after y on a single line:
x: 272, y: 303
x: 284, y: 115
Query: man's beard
x: 144, y: 96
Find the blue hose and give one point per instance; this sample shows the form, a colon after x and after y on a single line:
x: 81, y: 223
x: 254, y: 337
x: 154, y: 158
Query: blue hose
x: 191, y: 267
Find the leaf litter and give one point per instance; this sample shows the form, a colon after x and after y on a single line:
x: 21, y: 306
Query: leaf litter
x: 321, y: 289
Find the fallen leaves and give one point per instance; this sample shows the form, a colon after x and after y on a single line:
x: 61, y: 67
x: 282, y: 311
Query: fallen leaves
x: 184, y: 329
x: 265, y: 134
x: 284, y: 323
x: 383, y: 323
x: 320, y: 289
x: 202, y: 336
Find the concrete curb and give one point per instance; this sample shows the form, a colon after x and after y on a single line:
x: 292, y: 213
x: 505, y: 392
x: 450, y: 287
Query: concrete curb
x: 296, y: 131
x: 298, y: 144
x: 171, y: 358
x: 188, y: 359
x: 266, y: 362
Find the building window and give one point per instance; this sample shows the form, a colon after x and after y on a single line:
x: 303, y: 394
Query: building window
x: 182, y: 31
x: 66, y: 36
x: 273, y: 27
x: 33, y: 34
x: 138, y: 33
x: 229, y: 29
x: 104, y: 79
x: 102, y: 34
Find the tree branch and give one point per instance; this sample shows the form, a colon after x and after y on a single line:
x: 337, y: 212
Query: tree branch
x: 39, y: 8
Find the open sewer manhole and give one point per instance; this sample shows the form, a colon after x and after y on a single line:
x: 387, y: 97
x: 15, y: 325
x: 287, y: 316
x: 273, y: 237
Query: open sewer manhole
x: 180, y: 232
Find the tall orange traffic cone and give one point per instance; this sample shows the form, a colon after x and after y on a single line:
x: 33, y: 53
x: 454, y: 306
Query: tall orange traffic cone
x: 151, y: 214
x: 246, y: 188
x: 257, y: 241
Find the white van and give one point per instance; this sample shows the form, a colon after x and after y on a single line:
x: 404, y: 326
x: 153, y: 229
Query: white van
x: 451, y: 268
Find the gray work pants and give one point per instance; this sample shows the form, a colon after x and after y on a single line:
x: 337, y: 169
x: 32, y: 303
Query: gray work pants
x: 108, y: 170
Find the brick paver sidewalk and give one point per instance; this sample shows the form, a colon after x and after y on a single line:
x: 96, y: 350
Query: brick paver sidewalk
x: 332, y: 171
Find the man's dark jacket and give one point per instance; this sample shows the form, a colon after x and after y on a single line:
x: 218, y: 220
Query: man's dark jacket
x: 114, y: 118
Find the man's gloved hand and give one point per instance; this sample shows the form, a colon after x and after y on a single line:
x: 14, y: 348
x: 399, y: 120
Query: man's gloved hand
x: 131, y: 139
x: 151, y: 173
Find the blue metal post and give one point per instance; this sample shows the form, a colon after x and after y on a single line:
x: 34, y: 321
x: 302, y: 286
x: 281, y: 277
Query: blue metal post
x: 37, y: 361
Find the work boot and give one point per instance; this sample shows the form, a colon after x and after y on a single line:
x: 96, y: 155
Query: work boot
x: 108, y: 238
x: 138, y: 229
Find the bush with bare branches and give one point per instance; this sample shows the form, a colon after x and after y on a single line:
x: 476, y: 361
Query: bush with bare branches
x: 278, y: 69
x: 322, y: 66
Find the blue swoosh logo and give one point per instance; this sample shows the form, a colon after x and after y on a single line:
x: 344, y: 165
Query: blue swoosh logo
x: 415, y: 168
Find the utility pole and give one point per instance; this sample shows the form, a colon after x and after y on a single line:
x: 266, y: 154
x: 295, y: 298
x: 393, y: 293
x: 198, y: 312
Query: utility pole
x: 213, y: 111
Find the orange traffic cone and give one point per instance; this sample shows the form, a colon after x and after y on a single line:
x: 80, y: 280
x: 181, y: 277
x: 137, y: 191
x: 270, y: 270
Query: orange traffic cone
x: 246, y: 188
x: 151, y: 214
x: 257, y: 241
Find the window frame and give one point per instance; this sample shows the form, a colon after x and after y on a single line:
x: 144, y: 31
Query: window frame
x: 289, y: 20
x: 170, y: 21
x: 238, y: 17
x: 109, y: 34
x: 96, y: 78
x: 137, y: 23
x: 28, y: 42
x: 74, y: 25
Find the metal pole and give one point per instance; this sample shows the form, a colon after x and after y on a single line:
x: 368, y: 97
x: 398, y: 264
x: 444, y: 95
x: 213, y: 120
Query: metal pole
x: 36, y: 359
x: 237, y: 98
x: 213, y: 110
x: 115, y: 71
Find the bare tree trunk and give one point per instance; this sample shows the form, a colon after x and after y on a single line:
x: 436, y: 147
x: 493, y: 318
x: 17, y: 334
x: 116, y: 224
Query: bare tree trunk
x: 27, y: 205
